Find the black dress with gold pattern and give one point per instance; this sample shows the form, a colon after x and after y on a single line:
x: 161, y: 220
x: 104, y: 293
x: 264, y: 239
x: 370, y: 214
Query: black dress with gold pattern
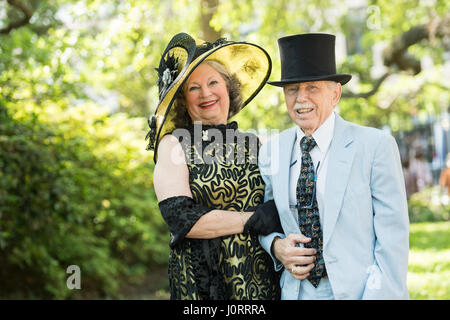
x: 223, y: 174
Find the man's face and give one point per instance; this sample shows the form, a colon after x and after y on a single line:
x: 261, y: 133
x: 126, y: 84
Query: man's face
x: 310, y: 103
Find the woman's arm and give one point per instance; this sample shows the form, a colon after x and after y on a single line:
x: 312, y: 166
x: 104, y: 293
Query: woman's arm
x: 171, y: 179
x: 217, y: 223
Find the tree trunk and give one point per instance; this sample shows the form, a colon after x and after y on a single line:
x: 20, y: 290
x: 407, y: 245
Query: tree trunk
x: 26, y: 11
x: 207, y: 10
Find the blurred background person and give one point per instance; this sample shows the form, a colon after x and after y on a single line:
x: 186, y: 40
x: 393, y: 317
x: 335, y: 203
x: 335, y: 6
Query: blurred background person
x: 410, y: 178
x: 421, y: 170
x: 444, y: 180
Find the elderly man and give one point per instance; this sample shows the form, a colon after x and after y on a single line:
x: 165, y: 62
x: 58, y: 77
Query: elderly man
x: 338, y: 187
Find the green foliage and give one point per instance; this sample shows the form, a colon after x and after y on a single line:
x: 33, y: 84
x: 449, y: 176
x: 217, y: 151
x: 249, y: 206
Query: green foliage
x: 427, y: 206
x: 76, y: 190
x: 364, y: 27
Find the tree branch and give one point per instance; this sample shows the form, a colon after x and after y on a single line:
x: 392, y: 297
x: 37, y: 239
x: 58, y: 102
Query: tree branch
x: 396, y: 56
x: 28, y: 13
x: 366, y: 95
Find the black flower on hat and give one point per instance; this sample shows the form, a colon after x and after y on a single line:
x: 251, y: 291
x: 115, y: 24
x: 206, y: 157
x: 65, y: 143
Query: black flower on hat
x: 206, y: 46
x: 167, y: 72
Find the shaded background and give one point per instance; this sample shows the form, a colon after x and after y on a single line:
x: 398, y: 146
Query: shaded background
x: 77, y: 82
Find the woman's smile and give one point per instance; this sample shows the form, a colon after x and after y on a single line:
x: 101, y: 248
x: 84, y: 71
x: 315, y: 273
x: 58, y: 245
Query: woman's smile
x: 208, y: 104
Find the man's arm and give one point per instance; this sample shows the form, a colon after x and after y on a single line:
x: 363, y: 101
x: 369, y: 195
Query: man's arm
x: 282, y: 249
x: 264, y: 167
x: 387, y: 277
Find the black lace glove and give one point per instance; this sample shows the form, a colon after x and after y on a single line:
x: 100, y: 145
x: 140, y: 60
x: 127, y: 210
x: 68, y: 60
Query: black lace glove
x: 180, y: 214
x: 265, y: 220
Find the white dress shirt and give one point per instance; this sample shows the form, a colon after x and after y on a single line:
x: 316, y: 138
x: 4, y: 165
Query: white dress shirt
x: 323, y: 136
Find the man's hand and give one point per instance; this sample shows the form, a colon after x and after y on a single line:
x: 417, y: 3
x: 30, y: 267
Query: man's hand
x: 298, y: 261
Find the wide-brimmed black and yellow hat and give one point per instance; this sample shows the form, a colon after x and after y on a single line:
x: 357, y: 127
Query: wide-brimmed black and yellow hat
x: 248, y: 62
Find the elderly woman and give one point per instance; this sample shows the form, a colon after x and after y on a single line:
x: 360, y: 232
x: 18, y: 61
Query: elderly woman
x: 210, y: 198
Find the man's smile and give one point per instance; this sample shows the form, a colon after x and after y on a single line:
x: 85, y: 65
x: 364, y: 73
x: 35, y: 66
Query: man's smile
x: 303, y: 109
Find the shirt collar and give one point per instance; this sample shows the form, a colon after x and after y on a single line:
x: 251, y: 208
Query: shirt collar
x: 323, y: 134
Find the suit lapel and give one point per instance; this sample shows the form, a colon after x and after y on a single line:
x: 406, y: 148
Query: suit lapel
x: 340, y: 161
x: 281, y: 180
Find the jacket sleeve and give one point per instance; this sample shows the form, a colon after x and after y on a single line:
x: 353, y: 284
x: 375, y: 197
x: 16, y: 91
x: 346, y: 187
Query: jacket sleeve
x: 265, y: 168
x: 387, y: 277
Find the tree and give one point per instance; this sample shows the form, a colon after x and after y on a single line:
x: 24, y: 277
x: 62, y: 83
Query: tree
x: 75, y: 179
x: 396, y: 56
x: 117, y: 44
x: 26, y: 12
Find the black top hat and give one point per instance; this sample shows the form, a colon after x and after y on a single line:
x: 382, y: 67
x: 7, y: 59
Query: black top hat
x: 308, y: 57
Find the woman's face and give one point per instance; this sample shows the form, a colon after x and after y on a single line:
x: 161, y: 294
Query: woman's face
x: 206, y: 94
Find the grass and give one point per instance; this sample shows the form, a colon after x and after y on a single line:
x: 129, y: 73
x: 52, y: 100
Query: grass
x: 429, y: 261
x: 428, y: 271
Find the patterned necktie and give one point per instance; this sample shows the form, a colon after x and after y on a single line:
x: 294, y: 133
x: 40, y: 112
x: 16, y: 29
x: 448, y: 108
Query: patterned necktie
x: 308, y: 211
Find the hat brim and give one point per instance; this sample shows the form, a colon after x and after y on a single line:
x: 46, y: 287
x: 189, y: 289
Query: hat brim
x: 249, y: 63
x: 341, y: 78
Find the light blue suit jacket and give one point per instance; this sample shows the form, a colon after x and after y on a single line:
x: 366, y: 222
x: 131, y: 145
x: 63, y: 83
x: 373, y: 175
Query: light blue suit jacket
x: 366, y: 225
